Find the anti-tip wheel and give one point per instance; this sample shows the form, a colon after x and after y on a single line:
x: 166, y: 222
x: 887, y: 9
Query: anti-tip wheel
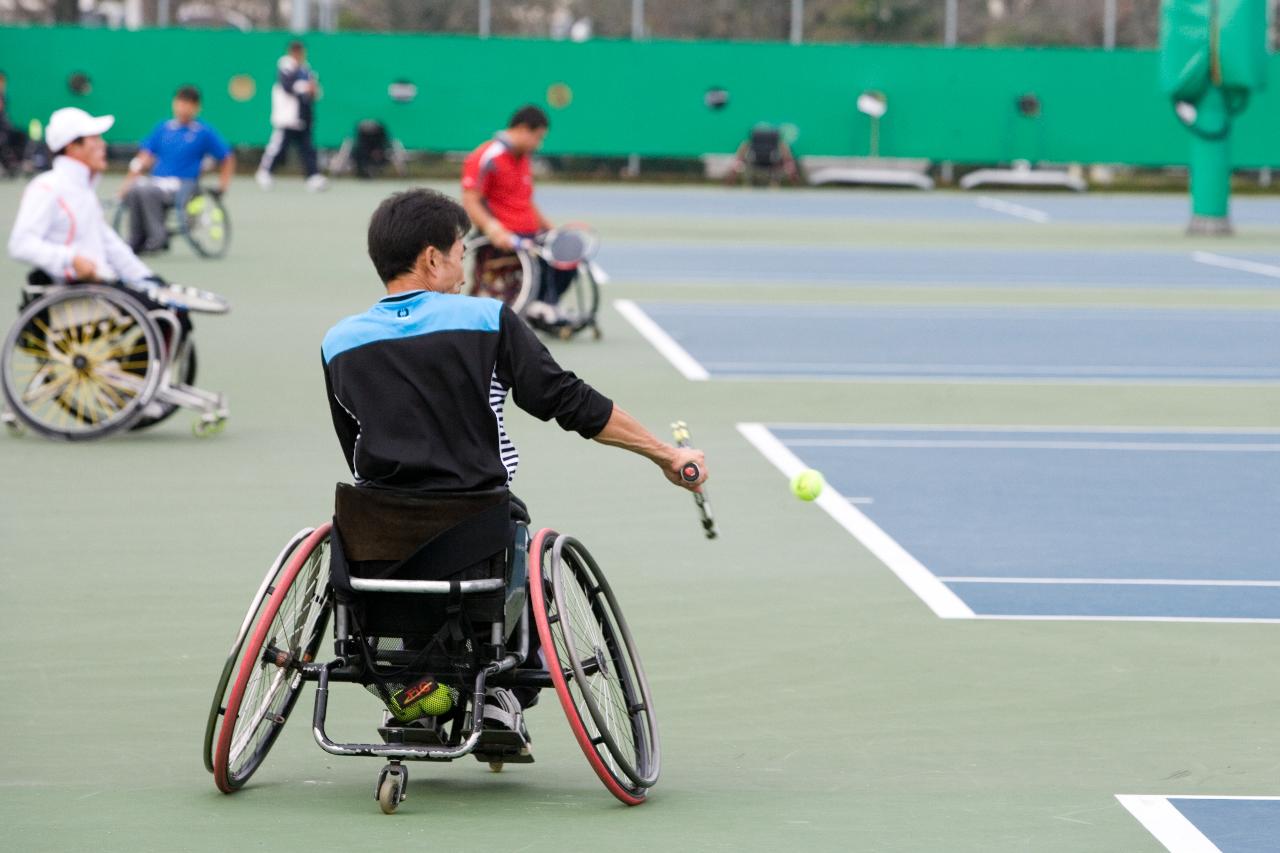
x: 209, y: 426
x: 495, y: 766
x: 11, y: 424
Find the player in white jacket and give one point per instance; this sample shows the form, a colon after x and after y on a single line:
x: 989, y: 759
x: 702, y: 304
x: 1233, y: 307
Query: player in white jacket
x: 60, y: 228
x: 293, y: 98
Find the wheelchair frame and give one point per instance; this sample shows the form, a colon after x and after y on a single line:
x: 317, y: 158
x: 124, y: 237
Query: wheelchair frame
x: 585, y: 288
x: 209, y: 204
x: 626, y: 774
x: 89, y: 352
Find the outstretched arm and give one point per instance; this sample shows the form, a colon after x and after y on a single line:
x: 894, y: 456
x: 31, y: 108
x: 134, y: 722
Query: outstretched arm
x: 626, y: 432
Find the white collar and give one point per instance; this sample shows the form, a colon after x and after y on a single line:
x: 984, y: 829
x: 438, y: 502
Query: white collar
x: 74, y: 170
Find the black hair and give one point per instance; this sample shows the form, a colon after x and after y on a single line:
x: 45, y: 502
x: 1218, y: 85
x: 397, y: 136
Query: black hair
x: 529, y: 116
x: 296, y: 45
x: 406, y: 223
x: 188, y: 93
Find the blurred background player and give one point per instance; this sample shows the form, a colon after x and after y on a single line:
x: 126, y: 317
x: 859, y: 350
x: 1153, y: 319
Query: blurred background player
x: 13, y: 142
x: 60, y: 229
x: 174, y: 155
x: 497, y: 192
x: 293, y: 99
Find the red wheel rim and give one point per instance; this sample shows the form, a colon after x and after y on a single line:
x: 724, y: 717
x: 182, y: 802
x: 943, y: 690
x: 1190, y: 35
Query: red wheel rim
x: 251, y: 650
x: 556, y: 670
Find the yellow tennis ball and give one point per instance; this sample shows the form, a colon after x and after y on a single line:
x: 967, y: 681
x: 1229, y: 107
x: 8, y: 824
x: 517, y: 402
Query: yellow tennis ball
x: 807, y: 485
x: 439, y: 701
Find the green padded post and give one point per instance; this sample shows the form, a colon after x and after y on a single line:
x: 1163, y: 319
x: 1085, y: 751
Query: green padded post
x: 1211, y: 168
x: 1213, y: 55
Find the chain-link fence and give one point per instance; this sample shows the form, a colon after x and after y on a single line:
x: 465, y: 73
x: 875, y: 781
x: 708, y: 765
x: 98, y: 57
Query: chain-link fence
x: 1119, y: 23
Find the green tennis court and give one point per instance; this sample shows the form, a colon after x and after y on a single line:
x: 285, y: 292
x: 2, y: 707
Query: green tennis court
x: 807, y: 698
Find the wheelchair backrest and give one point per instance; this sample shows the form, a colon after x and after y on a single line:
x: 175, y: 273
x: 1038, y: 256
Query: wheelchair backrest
x: 765, y: 146
x: 393, y: 535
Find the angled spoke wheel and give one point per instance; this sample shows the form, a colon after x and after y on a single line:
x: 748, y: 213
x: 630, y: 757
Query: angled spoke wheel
x: 203, y: 220
x: 81, y: 362
x: 287, y: 631
x: 594, y: 666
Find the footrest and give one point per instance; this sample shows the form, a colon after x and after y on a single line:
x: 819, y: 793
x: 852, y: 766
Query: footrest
x: 506, y: 747
x: 419, y: 735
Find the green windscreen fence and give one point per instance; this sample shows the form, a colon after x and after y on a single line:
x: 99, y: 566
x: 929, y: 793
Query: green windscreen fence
x: 651, y: 98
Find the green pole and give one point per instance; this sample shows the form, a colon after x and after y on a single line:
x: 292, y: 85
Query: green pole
x: 1211, y: 167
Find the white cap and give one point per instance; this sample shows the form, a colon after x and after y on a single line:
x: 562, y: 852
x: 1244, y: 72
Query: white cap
x: 70, y: 123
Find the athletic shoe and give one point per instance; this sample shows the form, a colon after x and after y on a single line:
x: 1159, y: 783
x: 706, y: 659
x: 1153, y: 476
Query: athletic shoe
x: 264, y: 179
x: 544, y: 313
x: 317, y: 183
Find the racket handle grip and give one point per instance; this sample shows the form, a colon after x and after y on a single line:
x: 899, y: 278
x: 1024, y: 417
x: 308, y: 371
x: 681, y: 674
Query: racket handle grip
x: 690, y: 472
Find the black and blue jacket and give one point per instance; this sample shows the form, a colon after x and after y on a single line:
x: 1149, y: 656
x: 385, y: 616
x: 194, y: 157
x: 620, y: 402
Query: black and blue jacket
x: 417, y: 386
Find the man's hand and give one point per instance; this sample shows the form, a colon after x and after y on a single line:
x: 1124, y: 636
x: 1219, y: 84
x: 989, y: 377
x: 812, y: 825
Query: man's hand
x: 84, y: 268
x: 680, y: 457
x: 501, y: 237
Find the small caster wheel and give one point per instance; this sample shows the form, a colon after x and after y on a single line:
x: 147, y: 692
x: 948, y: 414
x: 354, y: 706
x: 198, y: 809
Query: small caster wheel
x: 495, y: 766
x: 564, y: 333
x: 392, y: 782
x: 209, y: 426
x: 596, y: 333
x: 11, y: 424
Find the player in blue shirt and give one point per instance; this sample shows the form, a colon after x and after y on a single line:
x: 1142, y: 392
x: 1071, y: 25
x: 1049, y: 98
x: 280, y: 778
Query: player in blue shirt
x: 173, y: 153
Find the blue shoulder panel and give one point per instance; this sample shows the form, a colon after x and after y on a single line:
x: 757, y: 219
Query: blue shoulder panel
x: 420, y: 313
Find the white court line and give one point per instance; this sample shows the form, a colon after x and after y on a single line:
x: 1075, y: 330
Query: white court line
x: 1156, y: 446
x: 661, y: 341
x: 1170, y: 827
x: 998, y: 428
x: 1238, y: 264
x: 1215, y: 620
x: 866, y: 368
x: 909, y: 570
x: 1108, y: 581
x: 1017, y: 210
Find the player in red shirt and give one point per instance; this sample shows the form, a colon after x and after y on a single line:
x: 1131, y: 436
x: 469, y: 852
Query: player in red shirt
x: 497, y: 192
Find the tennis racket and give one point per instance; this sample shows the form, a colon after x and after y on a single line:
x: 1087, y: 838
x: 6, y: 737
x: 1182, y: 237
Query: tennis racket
x: 690, y: 474
x: 564, y: 247
x: 181, y: 296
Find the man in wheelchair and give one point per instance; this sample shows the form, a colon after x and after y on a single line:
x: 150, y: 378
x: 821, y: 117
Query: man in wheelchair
x: 60, y: 228
x: 167, y: 170
x: 497, y: 192
x: 417, y: 386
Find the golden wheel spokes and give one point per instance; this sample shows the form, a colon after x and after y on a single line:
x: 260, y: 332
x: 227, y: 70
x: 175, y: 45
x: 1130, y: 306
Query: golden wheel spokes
x: 80, y: 364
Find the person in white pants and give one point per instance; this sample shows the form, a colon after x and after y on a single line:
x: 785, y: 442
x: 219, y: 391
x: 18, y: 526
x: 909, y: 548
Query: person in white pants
x: 293, y: 98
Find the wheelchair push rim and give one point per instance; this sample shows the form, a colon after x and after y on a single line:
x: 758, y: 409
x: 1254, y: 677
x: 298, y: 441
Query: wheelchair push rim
x: 594, y: 666
x: 251, y: 618
x: 81, y: 363
x: 514, y: 293
x: 203, y: 220
x: 268, y: 679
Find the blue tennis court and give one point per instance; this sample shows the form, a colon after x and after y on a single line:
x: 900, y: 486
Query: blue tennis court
x: 1057, y: 522
x: 595, y: 202
x: 738, y: 265
x: 964, y: 343
x: 1204, y: 824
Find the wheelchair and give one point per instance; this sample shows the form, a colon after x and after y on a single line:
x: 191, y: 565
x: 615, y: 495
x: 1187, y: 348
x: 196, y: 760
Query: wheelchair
x: 513, y: 278
x: 197, y: 214
x: 466, y: 608
x: 85, y: 361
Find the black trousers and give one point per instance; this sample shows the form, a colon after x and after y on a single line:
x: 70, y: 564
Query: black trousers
x: 278, y: 146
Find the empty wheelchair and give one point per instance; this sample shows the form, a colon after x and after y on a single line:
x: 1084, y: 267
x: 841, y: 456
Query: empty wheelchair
x: 84, y: 361
x: 452, y: 592
x: 197, y: 214
x: 514, y: 277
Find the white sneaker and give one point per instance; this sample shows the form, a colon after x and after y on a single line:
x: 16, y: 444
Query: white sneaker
x: 542, y: 312
x: 317, y: 183
x: 263, y: 177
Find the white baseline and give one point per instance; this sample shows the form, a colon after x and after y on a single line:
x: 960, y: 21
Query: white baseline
x: 909, y: 570
x: 661, y: 341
